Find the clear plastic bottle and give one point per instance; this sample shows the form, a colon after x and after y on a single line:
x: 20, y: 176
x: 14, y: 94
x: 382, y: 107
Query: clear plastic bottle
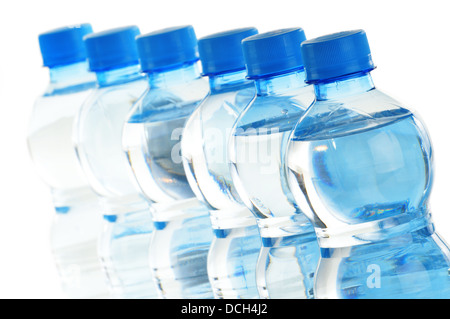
x: 360, y: 167
x: 236, y: 242
x: 151, y: 140
x: 290, y: 251
x: 128, y: 226
x: 77, y: 223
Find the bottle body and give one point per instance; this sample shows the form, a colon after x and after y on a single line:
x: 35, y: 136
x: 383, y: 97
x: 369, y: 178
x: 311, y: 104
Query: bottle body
x: 179, y: 247
x: 365, y: 185
x: 151, y: 141
x: 75, y: 231
x: 127, y: 221
x: 76, y: 226
x: 124, y: 249
x: 258, y: 139
x: 235, y: 246
x: 288, y: 260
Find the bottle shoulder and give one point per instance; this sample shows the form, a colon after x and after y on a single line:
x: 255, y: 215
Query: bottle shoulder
x: 131, y: 88
x: 218, y: 106
x: 349, y: 115
x: 161, y: 104
x: 279, y: 112
x: 49, y: 108
x: 117, y: 98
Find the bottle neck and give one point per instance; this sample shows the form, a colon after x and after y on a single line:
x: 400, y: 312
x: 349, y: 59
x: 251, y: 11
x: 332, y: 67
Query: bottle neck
x: 168, y: 77
x: 119, y: 75
x: 229, y: 81
x: 280, y: 84
x: 344, y: 86
x: 70, y: 75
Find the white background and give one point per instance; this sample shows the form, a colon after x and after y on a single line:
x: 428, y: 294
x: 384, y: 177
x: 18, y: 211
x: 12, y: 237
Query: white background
x: 410, y: 42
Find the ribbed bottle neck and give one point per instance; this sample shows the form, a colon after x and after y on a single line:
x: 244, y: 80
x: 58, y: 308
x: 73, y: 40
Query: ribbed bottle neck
x: 119, y: 75
x: 165, y: 78
x: 280, y: 84
x: 70, y: 75
x: 343, y: 86
x: 229, y: 81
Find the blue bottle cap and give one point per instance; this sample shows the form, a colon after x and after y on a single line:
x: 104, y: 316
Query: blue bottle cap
x: 167, y: 48
x: 64, y: 45
x: 274, y: 52
x: 222, y: 52
x: 112, y: 49
x: 336, y: 55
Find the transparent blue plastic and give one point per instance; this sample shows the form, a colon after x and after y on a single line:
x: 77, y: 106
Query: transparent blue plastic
x: 127, y: 220
x: 236, y: 244
x: 290, y: 252
x: 77, y: 223
x: 151, y: 141
x: 360, y: 167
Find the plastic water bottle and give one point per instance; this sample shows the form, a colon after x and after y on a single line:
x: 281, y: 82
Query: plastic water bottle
x: 152, y: 134
x: 236, y: 242
x: 360, y: 166
x: 290, y: 252
x: 112, y: 55
x: 76, y: 225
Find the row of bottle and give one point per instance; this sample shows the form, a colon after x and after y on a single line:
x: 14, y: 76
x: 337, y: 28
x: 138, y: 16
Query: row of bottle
x: 241, y: 165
